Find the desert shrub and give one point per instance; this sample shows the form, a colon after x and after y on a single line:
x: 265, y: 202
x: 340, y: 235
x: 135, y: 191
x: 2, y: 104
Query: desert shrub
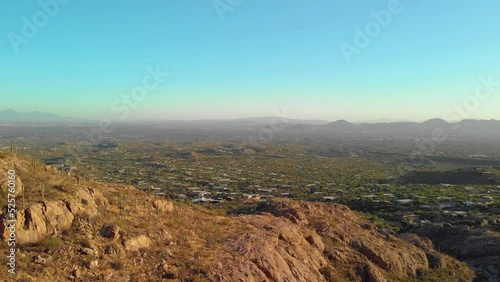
x: 85, y: 243
x: 118, y: 264
x: 327, y: 272
x: 52, y: 243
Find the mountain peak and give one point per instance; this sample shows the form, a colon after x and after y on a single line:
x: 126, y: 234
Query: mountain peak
x: 9, y: 111
x: 13, y: 116
x: 341, y: 122
x: 435, y: 121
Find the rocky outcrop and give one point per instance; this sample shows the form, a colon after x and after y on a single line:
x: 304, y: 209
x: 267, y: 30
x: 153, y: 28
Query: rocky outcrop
x: 436, y: 259
x: 51, y: 217
x: 163, y: 206
x: 479, y: 248
x: 110, y: 231
x: 271, y: 250
x: 4, y: 183
x: 299, y: 241
x: 91, y: 198
x: 40, y: 220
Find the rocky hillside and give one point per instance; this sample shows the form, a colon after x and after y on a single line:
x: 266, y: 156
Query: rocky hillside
x: 78, y: 230
x: 478, y: 247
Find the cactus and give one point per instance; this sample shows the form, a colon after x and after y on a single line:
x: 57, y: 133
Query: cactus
x: 33, y: 165
x: 24, y: 199
x: 42, y: 187
x: 197, y: 263
x: 120, y: 207
x: 104, y: 210
x: 149, y: 212
x: 122, y: 202
x: 125, y: 199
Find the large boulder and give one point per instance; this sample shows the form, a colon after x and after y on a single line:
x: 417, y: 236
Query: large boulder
x: 39, y: 220
x: 4, y: 183
x: 137, y: 243
x: 90, y: 198
x: 51, y: 217
x: 163, y: 206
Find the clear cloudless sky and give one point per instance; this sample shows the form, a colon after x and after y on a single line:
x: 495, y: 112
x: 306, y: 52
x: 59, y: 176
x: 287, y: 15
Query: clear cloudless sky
x: 261, y: 58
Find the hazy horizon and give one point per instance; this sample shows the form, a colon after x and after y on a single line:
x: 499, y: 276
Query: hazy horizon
x: 373, y: 61
x: 97, y: 119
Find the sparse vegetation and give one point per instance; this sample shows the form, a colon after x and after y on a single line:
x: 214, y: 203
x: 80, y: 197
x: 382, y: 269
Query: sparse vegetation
x: 233, y: 179
x: 52, y: 243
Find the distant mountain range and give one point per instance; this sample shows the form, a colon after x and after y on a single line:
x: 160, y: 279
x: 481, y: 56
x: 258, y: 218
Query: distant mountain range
x: 12, y: 116
x: 430, y: 127
x: 426, y: 128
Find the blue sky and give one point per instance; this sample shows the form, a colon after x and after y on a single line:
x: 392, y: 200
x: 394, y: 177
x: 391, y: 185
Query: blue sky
x: 255, y: 58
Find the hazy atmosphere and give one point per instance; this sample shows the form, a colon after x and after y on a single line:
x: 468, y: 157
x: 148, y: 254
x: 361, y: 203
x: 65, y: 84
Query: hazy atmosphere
x: 249, y: 140
x: 359, y: 61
